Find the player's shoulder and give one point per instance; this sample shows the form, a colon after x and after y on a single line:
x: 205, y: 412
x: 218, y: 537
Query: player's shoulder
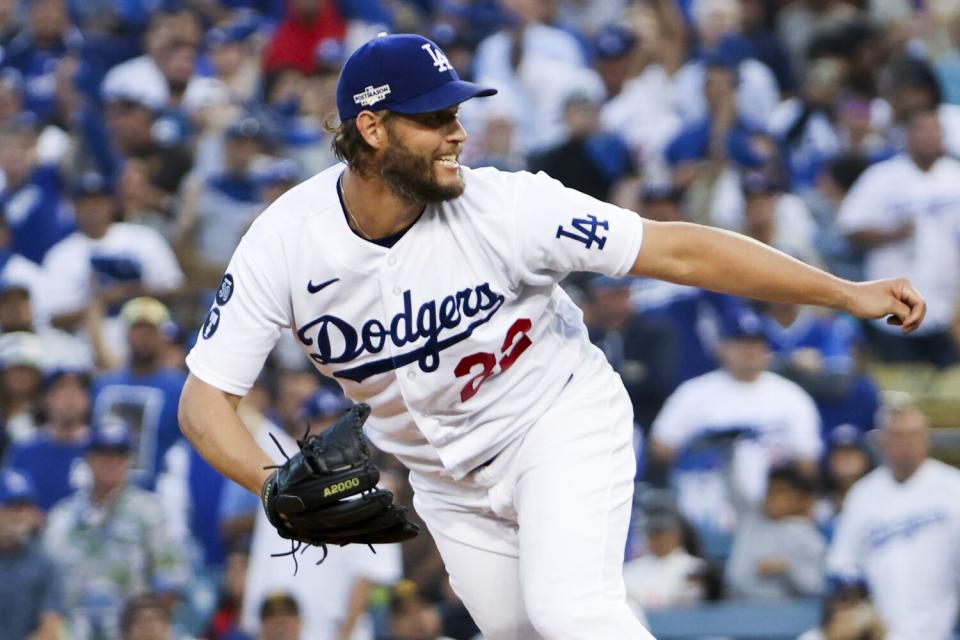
x: 315, y: 196
x: 493, y: 178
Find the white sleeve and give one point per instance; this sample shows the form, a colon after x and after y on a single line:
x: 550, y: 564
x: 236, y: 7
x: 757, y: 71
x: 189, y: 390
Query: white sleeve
x: 672, y: 426
x: 805, y: 441
x: 867, y: 205
x: 66, y: 278
x: 161, y: 271
x: 559, y: 230
x: 242, y: 328
x: 843, y: 558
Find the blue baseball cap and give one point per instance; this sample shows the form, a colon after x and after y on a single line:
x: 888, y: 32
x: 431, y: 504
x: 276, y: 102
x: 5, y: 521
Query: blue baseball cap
x: 402, y: 73
x: 614, y: 41
x: 111, y: 435
x: 16, y: 487
x: 91, y: 183
x: 743, y: 326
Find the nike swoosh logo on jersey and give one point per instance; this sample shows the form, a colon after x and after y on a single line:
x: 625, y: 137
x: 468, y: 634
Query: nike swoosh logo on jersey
x: 316, y: 288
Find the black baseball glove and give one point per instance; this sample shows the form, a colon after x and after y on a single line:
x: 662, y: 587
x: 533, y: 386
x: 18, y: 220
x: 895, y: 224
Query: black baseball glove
x: 327, y: 493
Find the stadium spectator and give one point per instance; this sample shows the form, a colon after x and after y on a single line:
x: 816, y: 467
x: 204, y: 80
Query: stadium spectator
x: 642, y: 349
x: 833, y: 184
x: 731, y: 426
x: 218, y: 208
x: 413, y: 617
x: 133, y: 126
x: 149, y: 76
x: 302, y: 136
x: 110, y: 261
x: 718, y: 25
x: 666, y: 575
x: 146, y: 617
x: 900, y: 213
x: 111, y: 540
x: 805, y: 126
x: 642, y: 109
x: 31, y: 590
x: 518, y: 57
x: 708, y: 153
x: 848, y: 615
x: 144, y: 394
x: 276, y: 178
x: 598, y: 163
x: 60, y: 349
x: 224, y: 622
x: 903, y: 519
x: 54, y: 456
x: 191, y: 492
x: 764, y: 209
x: 36, y: 50
x: 32, y: 195
x: 798, y: 23
x: 778, y: 553
x: 21, y: 380
x: 232, y: 53
x: 295, y: 40
x: 848, y: 459
x: 908, y: 85
x: 280, y: 618
x: 16, y: 271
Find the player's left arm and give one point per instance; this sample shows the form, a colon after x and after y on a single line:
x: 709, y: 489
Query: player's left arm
x: 728, y: 262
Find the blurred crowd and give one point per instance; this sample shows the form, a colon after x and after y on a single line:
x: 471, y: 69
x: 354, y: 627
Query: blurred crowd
x: 139, y: 138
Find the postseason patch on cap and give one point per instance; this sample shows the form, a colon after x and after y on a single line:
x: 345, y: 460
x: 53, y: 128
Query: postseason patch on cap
x: 371, y: 95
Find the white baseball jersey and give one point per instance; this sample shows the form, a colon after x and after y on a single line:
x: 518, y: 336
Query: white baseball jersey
x: 457, y: 336
x: 895, y: 192
x: 68, y: 266
x: 903, y: 538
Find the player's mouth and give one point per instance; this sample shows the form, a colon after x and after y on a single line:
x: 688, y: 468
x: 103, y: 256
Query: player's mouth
x: 448, y: 162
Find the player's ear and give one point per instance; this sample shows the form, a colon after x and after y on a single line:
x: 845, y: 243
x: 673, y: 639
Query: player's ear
x: 372, y: 129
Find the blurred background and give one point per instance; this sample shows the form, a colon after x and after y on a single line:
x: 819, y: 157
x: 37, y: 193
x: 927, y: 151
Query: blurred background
x: 794, y: 465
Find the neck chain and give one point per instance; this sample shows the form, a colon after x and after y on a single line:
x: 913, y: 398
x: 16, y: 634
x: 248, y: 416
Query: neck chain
x: 346, y: 205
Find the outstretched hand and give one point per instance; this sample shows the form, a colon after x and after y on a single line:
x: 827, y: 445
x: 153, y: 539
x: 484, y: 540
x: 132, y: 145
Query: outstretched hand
x: 895, y: 299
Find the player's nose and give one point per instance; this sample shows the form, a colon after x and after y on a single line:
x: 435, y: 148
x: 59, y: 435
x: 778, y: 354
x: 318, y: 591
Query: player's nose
x: 457, y: 133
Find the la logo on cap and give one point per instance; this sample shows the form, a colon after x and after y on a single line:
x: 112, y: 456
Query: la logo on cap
x: 439, y: 58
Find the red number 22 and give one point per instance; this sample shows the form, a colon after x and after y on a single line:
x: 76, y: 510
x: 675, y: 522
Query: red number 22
x: 516, y: 337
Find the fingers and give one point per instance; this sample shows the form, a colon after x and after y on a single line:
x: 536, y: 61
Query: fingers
x: 918, y: 308
x: 900, y: 311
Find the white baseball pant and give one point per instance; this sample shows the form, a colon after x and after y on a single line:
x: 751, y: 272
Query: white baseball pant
x: 534, y: 541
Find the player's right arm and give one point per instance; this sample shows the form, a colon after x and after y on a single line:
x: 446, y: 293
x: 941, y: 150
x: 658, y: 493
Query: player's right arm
x: 731, y: 263
x: 250, y: 310
x: 209, y: 420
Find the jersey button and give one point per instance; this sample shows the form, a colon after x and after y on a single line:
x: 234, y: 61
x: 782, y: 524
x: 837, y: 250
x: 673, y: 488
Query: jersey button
x: 391, y: 261
x: 411, y: 375
x: 397, y: 291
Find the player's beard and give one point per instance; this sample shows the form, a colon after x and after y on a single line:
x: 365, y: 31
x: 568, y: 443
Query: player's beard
x: 413, y: 177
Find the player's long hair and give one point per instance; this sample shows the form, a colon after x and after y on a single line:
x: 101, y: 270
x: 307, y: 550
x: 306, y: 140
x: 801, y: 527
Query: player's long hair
x: 348, y: 145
